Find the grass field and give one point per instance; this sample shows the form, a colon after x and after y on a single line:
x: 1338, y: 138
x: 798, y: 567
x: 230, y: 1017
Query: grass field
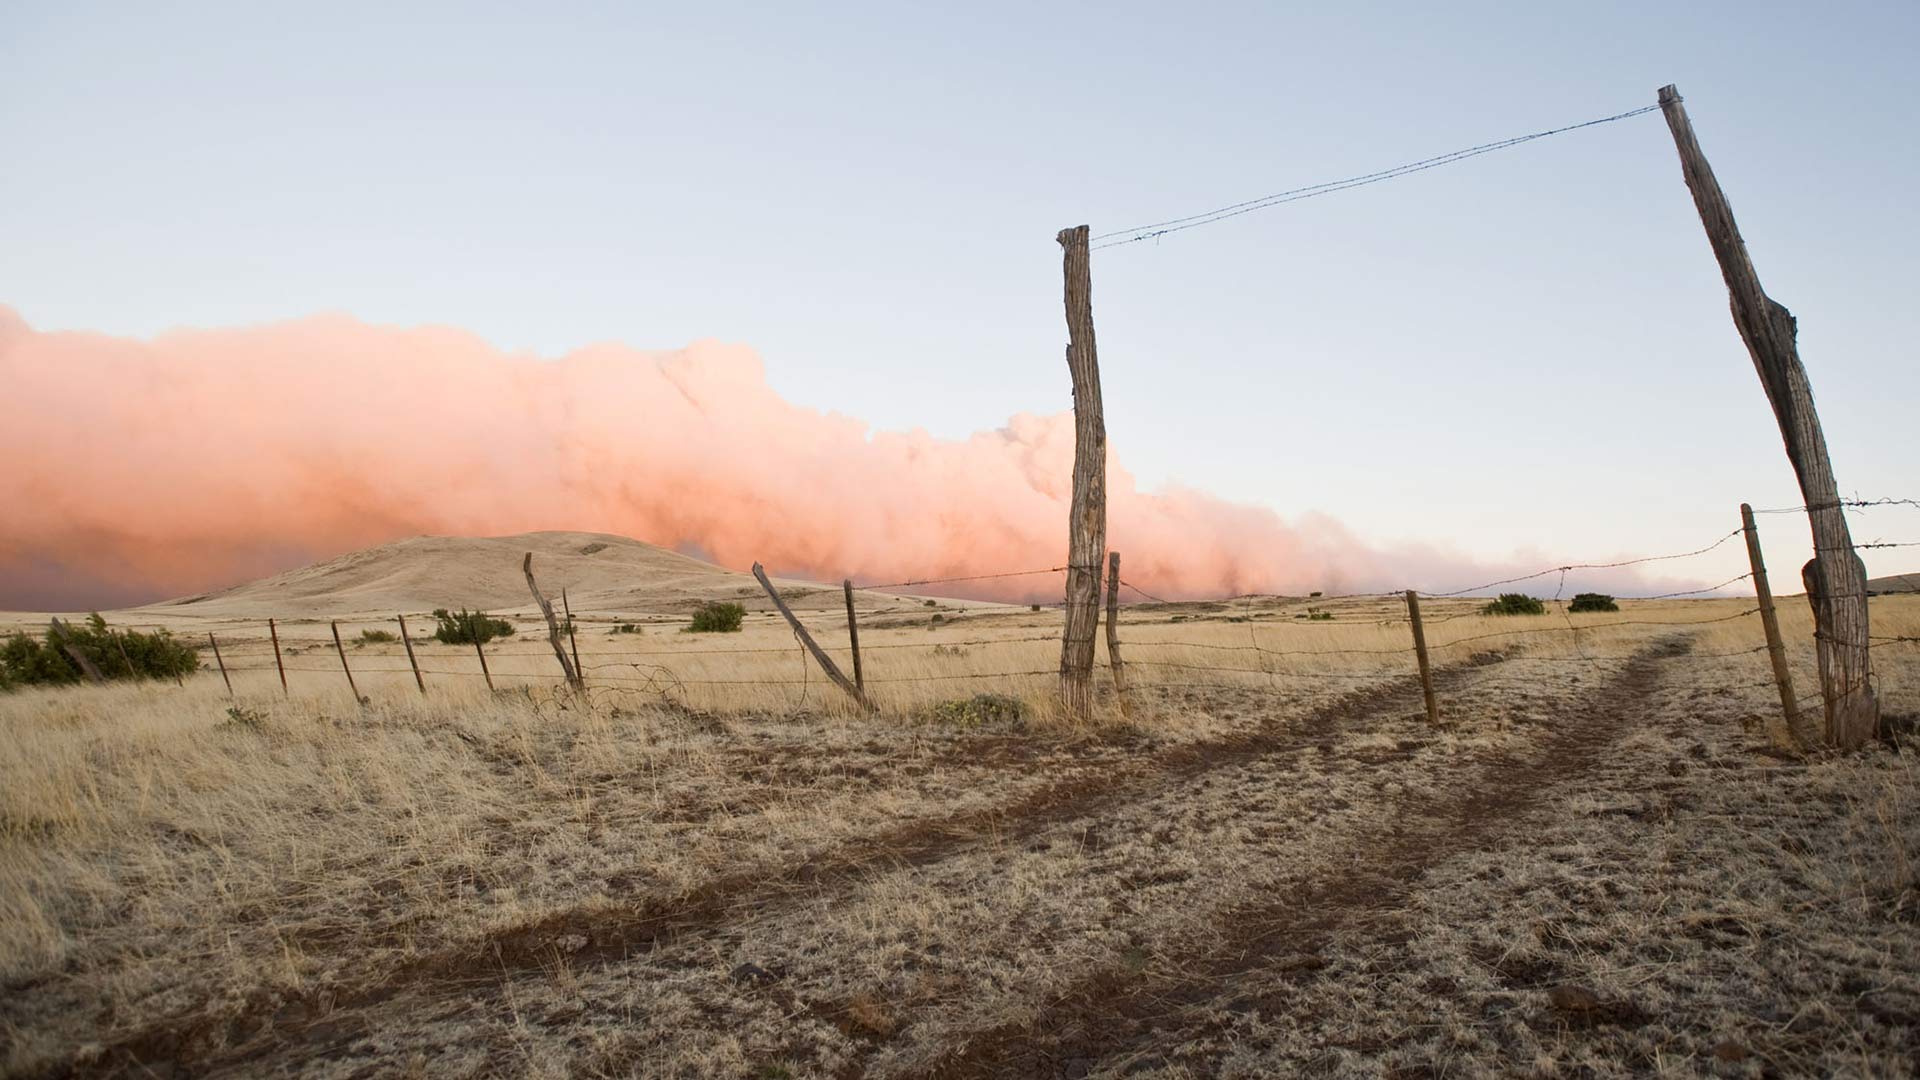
x: 710, y: 866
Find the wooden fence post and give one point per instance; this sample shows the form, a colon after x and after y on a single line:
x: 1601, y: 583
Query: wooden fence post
x: 819, y: 655
x: 274, y: 632
x: 411, y: 662
x: 1836, y: 579
x: 211, y: 640
x: 482, y: 654
x: 1087, y: 519
x: 80, y: 659
x: 1420, y: 650
x: 553, y: 624
x: 1113, y: 633
x: 341, y: 649
x: 1776, y: 649
x: 573, y: 642
x: 853, y: 636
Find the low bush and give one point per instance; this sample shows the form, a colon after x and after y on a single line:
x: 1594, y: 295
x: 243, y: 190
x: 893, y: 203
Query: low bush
x: 1593, y: 601
x: 468, y: 627
x: 625, y: 628
x: 717, y: 618
x: 117, y: 654
x: 376, y: 637
x: 1513, y: 603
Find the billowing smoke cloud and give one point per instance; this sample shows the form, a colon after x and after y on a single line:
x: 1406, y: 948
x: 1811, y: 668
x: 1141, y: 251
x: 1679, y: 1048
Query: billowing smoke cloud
x: 136, y: 470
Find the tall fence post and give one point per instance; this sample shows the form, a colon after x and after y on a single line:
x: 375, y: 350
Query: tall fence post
x: 853, y: 636
x: 553, y: 624
x: 1836, y: 579
x: 1087, y: 519
x: 1113, y: 633
x: 211, y: 640
x: 342, y: 650
x: 274, y: 632
x: 1420, y: 651
x: 819, y: 655
x: 411, y: 662
x: 1770, y: 622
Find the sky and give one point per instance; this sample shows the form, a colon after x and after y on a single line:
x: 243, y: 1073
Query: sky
x: 1527, y: 354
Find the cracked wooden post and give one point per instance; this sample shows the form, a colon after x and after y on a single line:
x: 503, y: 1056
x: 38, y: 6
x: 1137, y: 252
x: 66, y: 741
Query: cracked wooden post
x: 411, y: 662
x: 213, y: 641
x: 1420, y: 651
x: 1087, y: 518
x: 553, y: 624
x: 341, y: 649
x: 819, y: 655
x: 58, y: 632
x: 1113, y: 633
x: 274, y: 633
x: 1776, y: 648
x: 853, y: 636
x: 1836, y: 579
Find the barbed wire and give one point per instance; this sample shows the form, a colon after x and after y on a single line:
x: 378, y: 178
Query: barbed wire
x: 1138, y: 233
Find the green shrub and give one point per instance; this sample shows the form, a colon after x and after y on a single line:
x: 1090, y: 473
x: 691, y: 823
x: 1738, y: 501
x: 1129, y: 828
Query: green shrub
x: 979, y: 710
x: 468, y: 627
x: 118, y: 654
x: 1320, y: 616
x: 625, y: 628
x: 718, y: 617
x: 1593, y: 601
x: 1513, y: 603
x: 376, y: 637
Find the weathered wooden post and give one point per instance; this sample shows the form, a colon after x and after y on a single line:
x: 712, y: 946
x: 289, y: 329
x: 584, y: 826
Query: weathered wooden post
x: 553, y: 624
x: 1420, y: 651
x: 1770, y: 623
x: 121, y: 644
x: 1087, y: 519
x: 1113, y: 633
x: 341, y: 649
x: 411, y: 662
x: 820, y: 656
x: 274, y: 632
x: 853, y: 635
x: 58, y: 633
x: 1836, y: 579
x: 211, y: 640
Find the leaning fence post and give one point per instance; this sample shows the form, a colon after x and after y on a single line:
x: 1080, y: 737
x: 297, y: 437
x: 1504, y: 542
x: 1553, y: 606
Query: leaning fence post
x: 853, y: 635
x: 121, y: 645
x: 411, y: 662
x: 1770, y: 622
x: 482, y: 654
x: 819, y: 655
x: 274, y: 632
x: 553, y: 624
x: 337, y: 647
x: 211, y: 640
x: 80, y: 659
x: 1420, y: 650
x: 1113, y: 631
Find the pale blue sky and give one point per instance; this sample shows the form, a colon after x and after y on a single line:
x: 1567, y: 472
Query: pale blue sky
x: 1530, y: 349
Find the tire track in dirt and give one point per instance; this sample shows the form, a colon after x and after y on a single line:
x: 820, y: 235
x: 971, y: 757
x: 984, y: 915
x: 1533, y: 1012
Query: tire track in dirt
x: 265, y: 1026
x: 1114, y: 1013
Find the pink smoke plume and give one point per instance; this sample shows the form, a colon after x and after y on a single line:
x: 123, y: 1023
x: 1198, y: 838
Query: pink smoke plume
x: 137, y: 470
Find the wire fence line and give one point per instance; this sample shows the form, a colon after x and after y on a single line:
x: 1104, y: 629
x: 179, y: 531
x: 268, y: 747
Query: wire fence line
x: 1168, y: 647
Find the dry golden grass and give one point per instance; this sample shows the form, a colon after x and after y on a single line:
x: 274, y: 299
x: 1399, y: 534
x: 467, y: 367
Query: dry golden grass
x: 175, y: 861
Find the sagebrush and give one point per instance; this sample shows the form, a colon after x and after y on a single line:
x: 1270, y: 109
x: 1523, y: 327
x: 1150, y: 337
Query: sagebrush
x: 468, y: 627
x: 117, y: 654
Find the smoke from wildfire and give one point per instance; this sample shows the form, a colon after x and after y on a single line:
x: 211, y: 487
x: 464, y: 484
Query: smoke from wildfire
x: 142, y: 469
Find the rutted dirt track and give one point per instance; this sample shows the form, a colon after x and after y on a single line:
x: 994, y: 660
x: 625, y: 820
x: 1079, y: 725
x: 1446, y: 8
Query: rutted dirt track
x: 1112, y: 1015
